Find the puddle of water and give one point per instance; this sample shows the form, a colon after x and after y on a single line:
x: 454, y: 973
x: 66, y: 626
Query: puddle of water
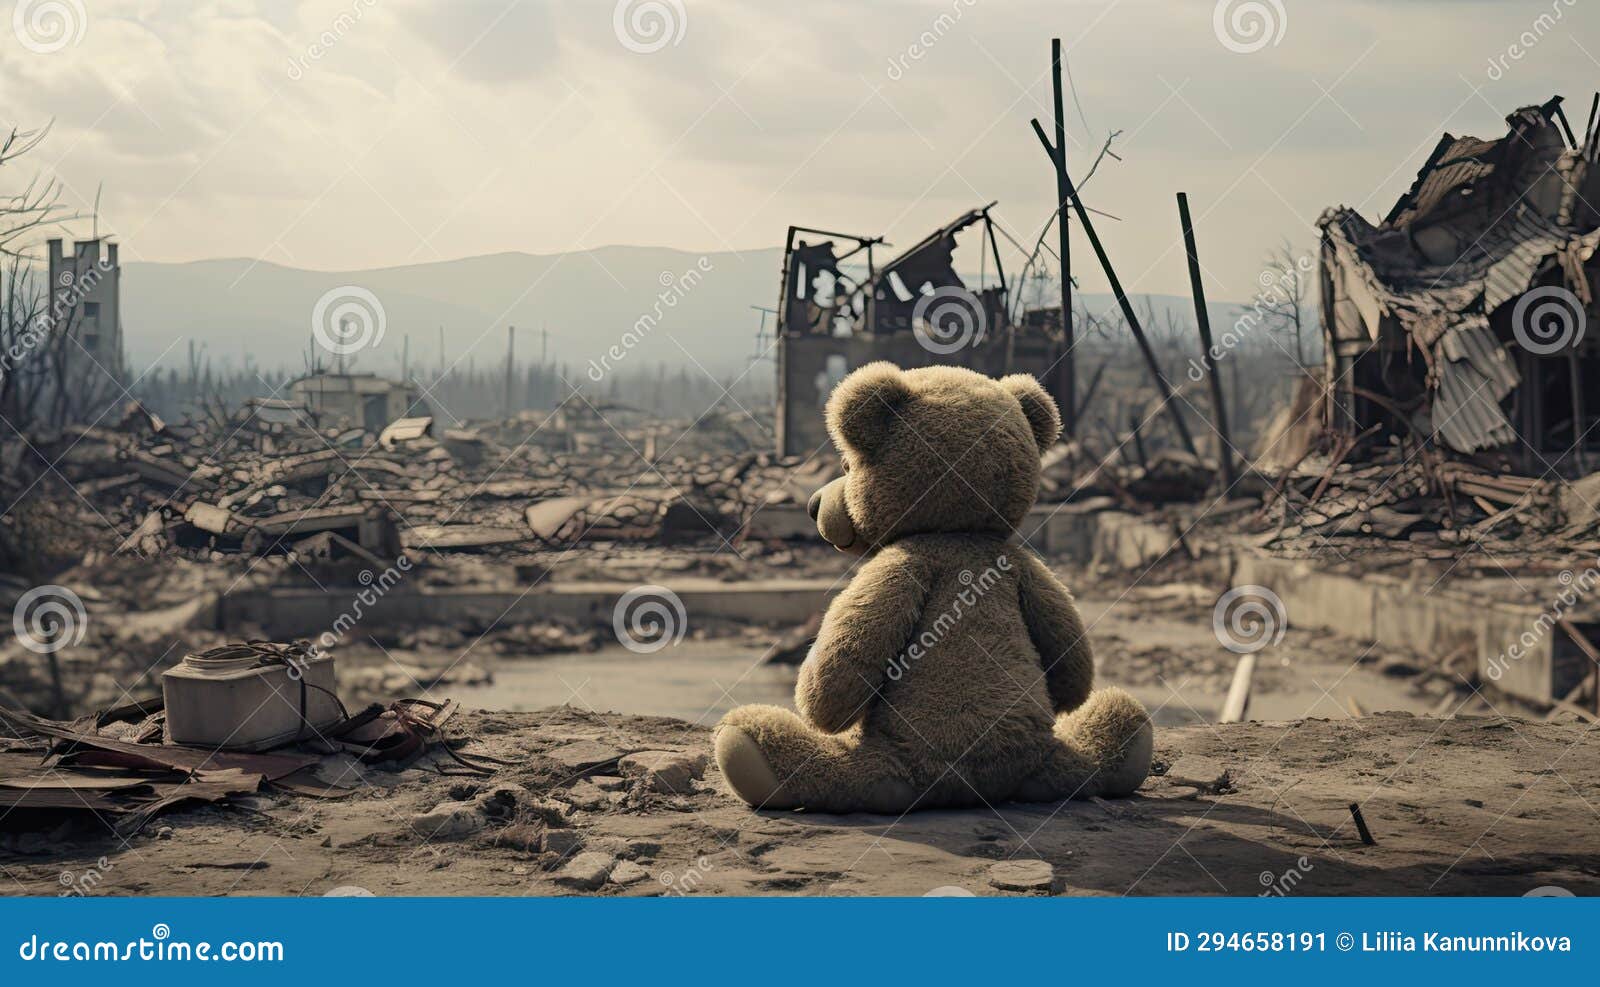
x: 685, y: 680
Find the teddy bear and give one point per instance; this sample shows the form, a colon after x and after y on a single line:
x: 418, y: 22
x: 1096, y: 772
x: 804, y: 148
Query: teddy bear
x: 954, y: 669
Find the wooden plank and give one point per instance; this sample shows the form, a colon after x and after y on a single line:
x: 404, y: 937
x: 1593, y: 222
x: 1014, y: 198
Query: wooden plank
x: 1238, y: 701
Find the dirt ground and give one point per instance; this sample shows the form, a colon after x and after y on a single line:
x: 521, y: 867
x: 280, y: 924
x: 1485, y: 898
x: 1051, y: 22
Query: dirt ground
x: 1456, y: 806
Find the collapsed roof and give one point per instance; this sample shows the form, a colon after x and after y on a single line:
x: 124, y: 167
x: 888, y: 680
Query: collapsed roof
x: 1484, y: 222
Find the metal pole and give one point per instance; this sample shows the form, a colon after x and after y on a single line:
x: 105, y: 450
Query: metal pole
x: 1068, y: 398
x: 1203, y: 319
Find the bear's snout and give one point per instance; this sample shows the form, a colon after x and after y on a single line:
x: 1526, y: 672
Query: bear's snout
x: 827, y: 508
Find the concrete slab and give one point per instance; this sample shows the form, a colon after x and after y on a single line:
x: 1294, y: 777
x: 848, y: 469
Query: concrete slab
x: 290, y: 613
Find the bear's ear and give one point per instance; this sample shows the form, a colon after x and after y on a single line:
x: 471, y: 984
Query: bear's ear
x: 1043, y: 416
x: 864, y: 408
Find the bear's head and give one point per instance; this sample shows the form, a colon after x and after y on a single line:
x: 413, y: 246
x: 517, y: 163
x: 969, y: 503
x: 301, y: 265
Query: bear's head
x: 935, y: 449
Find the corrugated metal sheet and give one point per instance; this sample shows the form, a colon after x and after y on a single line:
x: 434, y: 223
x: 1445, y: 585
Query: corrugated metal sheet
x: 1474, y: 375
x: 1522, y: 247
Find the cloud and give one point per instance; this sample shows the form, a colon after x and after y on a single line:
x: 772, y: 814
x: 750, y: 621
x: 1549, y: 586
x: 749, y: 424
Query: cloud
x: 341, y: 134
x: 489, y: 41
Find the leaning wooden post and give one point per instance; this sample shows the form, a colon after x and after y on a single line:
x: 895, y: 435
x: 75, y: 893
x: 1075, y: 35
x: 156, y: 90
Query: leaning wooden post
x: 1208, y: 354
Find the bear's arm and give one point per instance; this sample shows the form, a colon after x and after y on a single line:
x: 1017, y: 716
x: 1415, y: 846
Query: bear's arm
x: 865, y: 629
x: 1057, y: 632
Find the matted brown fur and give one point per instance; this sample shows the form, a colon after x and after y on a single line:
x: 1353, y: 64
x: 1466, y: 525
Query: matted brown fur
x: 954, y: 669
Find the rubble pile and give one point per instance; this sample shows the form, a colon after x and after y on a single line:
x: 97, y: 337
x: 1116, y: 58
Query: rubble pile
x: 1083, y: 469
x: 254, y: 483
x: 1439, y: 505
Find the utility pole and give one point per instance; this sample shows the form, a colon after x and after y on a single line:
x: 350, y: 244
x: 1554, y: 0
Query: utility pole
x: 1067, y: 382
x: 511, y: 361
x: 1203, y: 319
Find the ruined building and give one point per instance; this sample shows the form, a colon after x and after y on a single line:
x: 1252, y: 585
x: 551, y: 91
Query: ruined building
x: 840, y: 309
x: 1463, y: 314
x: 85, y: 293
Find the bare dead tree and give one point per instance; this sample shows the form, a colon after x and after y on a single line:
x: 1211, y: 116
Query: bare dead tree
x: 37, y: 205
x: 44, y: 376
x: 1283, y: 299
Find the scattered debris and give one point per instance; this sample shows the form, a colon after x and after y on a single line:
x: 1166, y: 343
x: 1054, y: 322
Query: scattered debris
x: 1207, y: 774
x: 1030, y: 876
x: 666, y: 772
x: 450, y: 820
x: 628, y: 872
x: 116, y: 766
x: 1361, y: 825
x: 587, y: 871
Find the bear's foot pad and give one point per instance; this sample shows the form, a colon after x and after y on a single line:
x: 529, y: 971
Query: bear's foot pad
x: 745, y: 768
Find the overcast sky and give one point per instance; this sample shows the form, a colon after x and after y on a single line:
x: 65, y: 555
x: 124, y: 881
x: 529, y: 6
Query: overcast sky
x: 369, y: 133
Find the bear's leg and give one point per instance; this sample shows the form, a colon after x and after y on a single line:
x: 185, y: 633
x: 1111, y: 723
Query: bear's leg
x: 772, y: 759
x: 1101, y: 748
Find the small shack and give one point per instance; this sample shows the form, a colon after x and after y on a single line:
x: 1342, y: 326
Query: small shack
x: 366, y: 400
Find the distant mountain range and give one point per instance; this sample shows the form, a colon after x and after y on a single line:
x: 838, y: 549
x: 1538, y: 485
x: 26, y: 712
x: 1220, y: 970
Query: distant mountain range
x: 586, y: 299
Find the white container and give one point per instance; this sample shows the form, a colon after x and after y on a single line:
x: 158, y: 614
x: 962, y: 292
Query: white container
x: 226, y: 698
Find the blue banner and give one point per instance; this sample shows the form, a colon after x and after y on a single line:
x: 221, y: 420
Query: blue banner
x: 795, y: 940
